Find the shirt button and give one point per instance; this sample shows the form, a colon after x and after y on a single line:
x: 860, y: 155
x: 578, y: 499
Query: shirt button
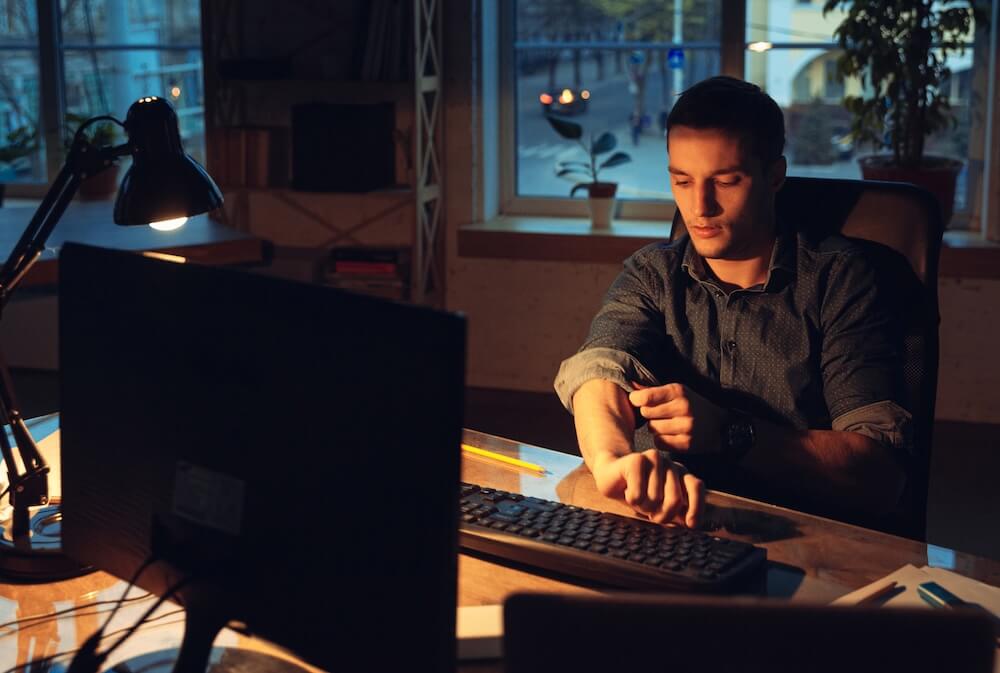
x: 731, y: 346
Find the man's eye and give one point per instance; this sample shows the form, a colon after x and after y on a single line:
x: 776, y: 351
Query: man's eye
x: 681, y: 183
x: 728, y: 183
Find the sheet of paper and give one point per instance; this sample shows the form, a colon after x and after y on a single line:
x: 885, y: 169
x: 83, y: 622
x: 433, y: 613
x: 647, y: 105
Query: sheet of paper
x: 479, y: 632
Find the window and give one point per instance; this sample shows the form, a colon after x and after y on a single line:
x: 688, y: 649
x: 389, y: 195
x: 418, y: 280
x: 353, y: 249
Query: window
x: 21, y: 155
x: 799, y: 70
x: 109, y: 53
x: 615, y: 66
x: 609, y: 66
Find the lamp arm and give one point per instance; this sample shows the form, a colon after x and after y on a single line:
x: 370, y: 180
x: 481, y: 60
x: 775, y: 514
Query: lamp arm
x: 83, y: 161
x: 30, y: 487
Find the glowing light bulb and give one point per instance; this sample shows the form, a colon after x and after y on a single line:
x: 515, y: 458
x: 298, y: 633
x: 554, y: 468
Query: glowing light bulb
x: 759, y: 47
x: 169, y: 225
x: 175, y: 92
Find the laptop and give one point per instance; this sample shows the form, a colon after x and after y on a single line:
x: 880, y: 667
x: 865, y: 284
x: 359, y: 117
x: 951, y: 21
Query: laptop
x: 579, y: 633
x: 288, y: 451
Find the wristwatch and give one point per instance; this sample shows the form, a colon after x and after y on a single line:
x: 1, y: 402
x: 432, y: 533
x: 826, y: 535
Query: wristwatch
x: 738, y: 436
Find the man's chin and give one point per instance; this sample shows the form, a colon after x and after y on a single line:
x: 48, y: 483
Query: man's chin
x: 710, y: 249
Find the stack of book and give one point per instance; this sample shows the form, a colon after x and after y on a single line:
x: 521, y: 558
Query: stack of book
x: 377, y: 271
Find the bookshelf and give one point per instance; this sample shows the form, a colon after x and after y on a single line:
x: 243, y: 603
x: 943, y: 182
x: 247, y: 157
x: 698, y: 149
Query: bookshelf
x: 277, y: 55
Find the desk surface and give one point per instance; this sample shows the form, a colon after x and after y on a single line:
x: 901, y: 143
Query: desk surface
x: 810, y: 559
x: 200, y: 239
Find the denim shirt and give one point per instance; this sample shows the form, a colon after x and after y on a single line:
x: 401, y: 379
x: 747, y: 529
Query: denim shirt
x: 814, y: 347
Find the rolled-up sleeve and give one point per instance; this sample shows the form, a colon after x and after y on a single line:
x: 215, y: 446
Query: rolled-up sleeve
x: 886, y: 422
x: 599, y: 363
x: 627, y: 339
x: 861, y: 358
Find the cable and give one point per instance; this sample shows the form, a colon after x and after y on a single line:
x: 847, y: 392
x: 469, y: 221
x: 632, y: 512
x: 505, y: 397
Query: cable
x: 52, y: 657
x: 87, y: 659
x: 131, y: 583
x: 132, y: 629
x: 85, y: 606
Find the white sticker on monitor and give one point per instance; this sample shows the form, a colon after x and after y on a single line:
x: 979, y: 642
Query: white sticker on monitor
x: 209, y: 498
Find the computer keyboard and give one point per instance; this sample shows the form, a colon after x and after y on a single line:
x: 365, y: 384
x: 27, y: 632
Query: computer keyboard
x: 606, y: 548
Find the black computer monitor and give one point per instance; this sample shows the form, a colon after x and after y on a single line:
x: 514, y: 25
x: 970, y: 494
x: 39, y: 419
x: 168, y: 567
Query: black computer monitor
x: 292, y: 449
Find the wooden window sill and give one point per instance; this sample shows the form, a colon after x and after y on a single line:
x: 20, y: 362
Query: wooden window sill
x: 966, y: 254
x: 559, y: 239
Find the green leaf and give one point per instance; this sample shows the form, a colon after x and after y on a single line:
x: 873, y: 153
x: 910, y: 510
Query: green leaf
x: 616, y: 159
x: 572, y: 171
x: 568, y: 130
x: 605, y: 143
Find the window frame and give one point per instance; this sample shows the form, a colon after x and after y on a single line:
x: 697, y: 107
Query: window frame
x: 52, y: 88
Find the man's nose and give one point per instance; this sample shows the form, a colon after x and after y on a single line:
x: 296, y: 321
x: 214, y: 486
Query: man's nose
x: 705, y: 204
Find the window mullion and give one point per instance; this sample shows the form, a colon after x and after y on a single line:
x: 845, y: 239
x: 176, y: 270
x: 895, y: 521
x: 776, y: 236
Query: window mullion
x: 50, y: 64
x: 733, y: 37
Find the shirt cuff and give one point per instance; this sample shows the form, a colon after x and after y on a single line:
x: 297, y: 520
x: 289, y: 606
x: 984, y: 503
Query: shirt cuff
x: 599, y: 363
x: 886, y: 422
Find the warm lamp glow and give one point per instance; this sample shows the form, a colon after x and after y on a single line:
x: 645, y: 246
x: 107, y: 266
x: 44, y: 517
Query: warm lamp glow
x: 175, y: 92
x: 546, y: 99
x: 585, y: 94
x: 759, y: 47
x: 566, y: 97
x: 169, y: 225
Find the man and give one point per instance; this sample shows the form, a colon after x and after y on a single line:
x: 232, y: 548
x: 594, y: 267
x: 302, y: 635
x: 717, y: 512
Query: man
x: 756, y: 355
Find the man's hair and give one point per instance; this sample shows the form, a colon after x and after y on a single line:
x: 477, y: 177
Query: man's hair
x: 736, y: 107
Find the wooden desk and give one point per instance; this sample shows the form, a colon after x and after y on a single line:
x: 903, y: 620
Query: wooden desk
x: 200, y: 239
x: 811, y: 559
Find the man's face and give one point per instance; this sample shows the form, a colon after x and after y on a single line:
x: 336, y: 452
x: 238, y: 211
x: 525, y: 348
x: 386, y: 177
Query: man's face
x: 724, y: 194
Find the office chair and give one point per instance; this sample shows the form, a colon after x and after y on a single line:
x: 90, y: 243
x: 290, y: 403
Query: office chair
x: 900, y: 224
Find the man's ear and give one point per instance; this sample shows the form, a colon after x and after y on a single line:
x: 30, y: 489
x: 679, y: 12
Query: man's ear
x: 777, y: 173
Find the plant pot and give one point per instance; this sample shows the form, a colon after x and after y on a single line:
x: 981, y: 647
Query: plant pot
x: 601, y: 203
x: 100, y: 187
x: 937, y: 175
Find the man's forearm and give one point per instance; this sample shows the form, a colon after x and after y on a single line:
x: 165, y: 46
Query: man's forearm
x: 605, y: 421
x: 847, y: 469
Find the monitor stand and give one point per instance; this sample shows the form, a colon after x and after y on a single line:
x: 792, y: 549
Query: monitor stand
x: 220, y: 660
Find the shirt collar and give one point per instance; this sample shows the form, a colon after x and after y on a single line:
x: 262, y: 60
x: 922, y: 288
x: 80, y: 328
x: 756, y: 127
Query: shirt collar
x: 783, y: 255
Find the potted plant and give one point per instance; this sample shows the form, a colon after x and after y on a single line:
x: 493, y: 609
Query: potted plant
x: 899, y: 51
x: 104, y: 184
x: 602, y: 194
x: 19, y: 143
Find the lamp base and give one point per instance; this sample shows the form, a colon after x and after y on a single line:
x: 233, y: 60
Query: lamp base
x: 39, y: 557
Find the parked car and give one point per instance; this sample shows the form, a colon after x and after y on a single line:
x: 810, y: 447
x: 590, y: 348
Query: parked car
x: 564, y: 101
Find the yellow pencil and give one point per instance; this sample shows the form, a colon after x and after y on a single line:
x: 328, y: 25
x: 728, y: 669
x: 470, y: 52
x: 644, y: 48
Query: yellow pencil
x: 503, y: 459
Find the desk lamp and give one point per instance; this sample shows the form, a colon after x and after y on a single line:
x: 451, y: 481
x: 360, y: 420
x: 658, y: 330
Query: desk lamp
x: 162, y: 188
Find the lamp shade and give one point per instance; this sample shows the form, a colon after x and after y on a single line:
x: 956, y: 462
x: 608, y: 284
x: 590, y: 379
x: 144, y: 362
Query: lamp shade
x: 163, y: 182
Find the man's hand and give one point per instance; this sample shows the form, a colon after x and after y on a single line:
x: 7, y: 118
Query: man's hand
x: 679, y: 419
x: 652, y: 485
